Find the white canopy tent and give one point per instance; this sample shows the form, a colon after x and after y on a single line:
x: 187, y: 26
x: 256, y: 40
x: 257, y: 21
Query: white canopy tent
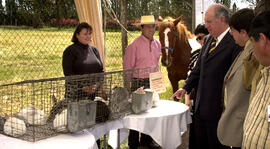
x: 200, y: 8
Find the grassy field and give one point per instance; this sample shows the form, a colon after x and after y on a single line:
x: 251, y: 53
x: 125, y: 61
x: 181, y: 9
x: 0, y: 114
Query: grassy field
x: 28, y: 53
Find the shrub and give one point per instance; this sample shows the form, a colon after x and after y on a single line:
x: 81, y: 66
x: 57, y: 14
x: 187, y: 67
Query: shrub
x: 112, y: 24
x: 64, y: 22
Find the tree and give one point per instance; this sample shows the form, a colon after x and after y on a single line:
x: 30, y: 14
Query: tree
x: 11, y: 12
x: 2, y: 13
x: 123, y: 21
x: 224, y: 2
x: 253, y: 2
x: 24, y: 14
x: 184, y: 8
x: 30, y: 12
x: 36, y: 13
x: 145, y: 7
x: 133, y: 10
x: 164, y: 8
x: 116, y: 7
x: 234, y: 8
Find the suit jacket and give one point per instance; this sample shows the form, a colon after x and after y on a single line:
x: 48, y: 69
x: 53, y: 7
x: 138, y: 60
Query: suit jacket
x: 236, y: 98
x: 208, y: 75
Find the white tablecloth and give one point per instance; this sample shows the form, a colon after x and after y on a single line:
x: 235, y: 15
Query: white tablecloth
x: 82, y: 140
x: 163, y: 123
x: 101, y: 129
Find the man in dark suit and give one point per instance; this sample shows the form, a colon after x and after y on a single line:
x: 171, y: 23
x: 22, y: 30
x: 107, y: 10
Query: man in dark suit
x: 217, y: 54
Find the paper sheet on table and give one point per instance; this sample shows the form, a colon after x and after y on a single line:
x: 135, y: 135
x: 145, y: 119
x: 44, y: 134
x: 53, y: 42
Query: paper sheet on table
x: 194, y: 44
x: 157, y: 83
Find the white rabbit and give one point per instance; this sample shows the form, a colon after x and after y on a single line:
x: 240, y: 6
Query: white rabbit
x: 119, y: 104
x: 33, y: 116
x: 14, y: 127
x: 60, y: 121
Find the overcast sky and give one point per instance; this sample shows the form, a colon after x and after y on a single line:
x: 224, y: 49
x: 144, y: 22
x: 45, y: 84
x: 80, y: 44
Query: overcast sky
x: 207, y: 3
x: 240, y: 4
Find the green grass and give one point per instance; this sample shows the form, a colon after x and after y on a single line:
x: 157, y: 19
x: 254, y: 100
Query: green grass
x: 28, y: 53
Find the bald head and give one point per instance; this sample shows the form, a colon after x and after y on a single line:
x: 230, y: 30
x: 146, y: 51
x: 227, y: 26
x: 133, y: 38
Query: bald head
x: 217, y: 19
x: 218, y: 11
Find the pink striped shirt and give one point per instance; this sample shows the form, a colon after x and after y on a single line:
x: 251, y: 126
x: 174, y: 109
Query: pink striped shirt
x: 142, y: 53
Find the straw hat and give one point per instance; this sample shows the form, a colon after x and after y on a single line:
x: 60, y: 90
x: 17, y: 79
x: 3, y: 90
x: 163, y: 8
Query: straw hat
x: 146, y: 20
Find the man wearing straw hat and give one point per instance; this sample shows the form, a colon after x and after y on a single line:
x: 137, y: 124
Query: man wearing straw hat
x: 143, y: 52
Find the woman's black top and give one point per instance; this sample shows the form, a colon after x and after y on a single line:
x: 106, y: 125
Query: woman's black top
x: 79, y: 59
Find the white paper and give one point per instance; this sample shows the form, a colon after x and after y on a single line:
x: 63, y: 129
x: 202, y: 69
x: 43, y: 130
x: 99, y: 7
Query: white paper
x: 194, y: 44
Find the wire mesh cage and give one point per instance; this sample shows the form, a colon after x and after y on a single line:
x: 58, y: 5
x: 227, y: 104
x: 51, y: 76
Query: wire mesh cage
x: 37, y: 109
x: 25, y: 106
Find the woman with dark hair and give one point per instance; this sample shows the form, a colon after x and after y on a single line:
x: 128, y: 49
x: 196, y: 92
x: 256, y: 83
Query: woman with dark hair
x: 80, y: 57
x: 200, y: 33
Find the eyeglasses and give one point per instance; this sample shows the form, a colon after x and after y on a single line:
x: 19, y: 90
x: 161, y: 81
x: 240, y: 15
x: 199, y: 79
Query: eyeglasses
x: 199, y: 38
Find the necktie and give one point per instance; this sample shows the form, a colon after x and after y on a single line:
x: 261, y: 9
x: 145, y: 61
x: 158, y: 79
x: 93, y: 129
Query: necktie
x: 213, y: 45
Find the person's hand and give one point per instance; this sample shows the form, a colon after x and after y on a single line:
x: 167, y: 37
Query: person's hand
x: 90, y: 89
x: 179, y: 94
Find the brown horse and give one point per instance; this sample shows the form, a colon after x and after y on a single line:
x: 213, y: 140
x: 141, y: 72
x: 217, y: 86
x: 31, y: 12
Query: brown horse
x: 176, y: 51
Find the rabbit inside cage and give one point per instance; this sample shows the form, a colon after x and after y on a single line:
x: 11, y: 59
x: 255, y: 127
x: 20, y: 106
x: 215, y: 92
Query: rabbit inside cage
x: 37, y: 109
